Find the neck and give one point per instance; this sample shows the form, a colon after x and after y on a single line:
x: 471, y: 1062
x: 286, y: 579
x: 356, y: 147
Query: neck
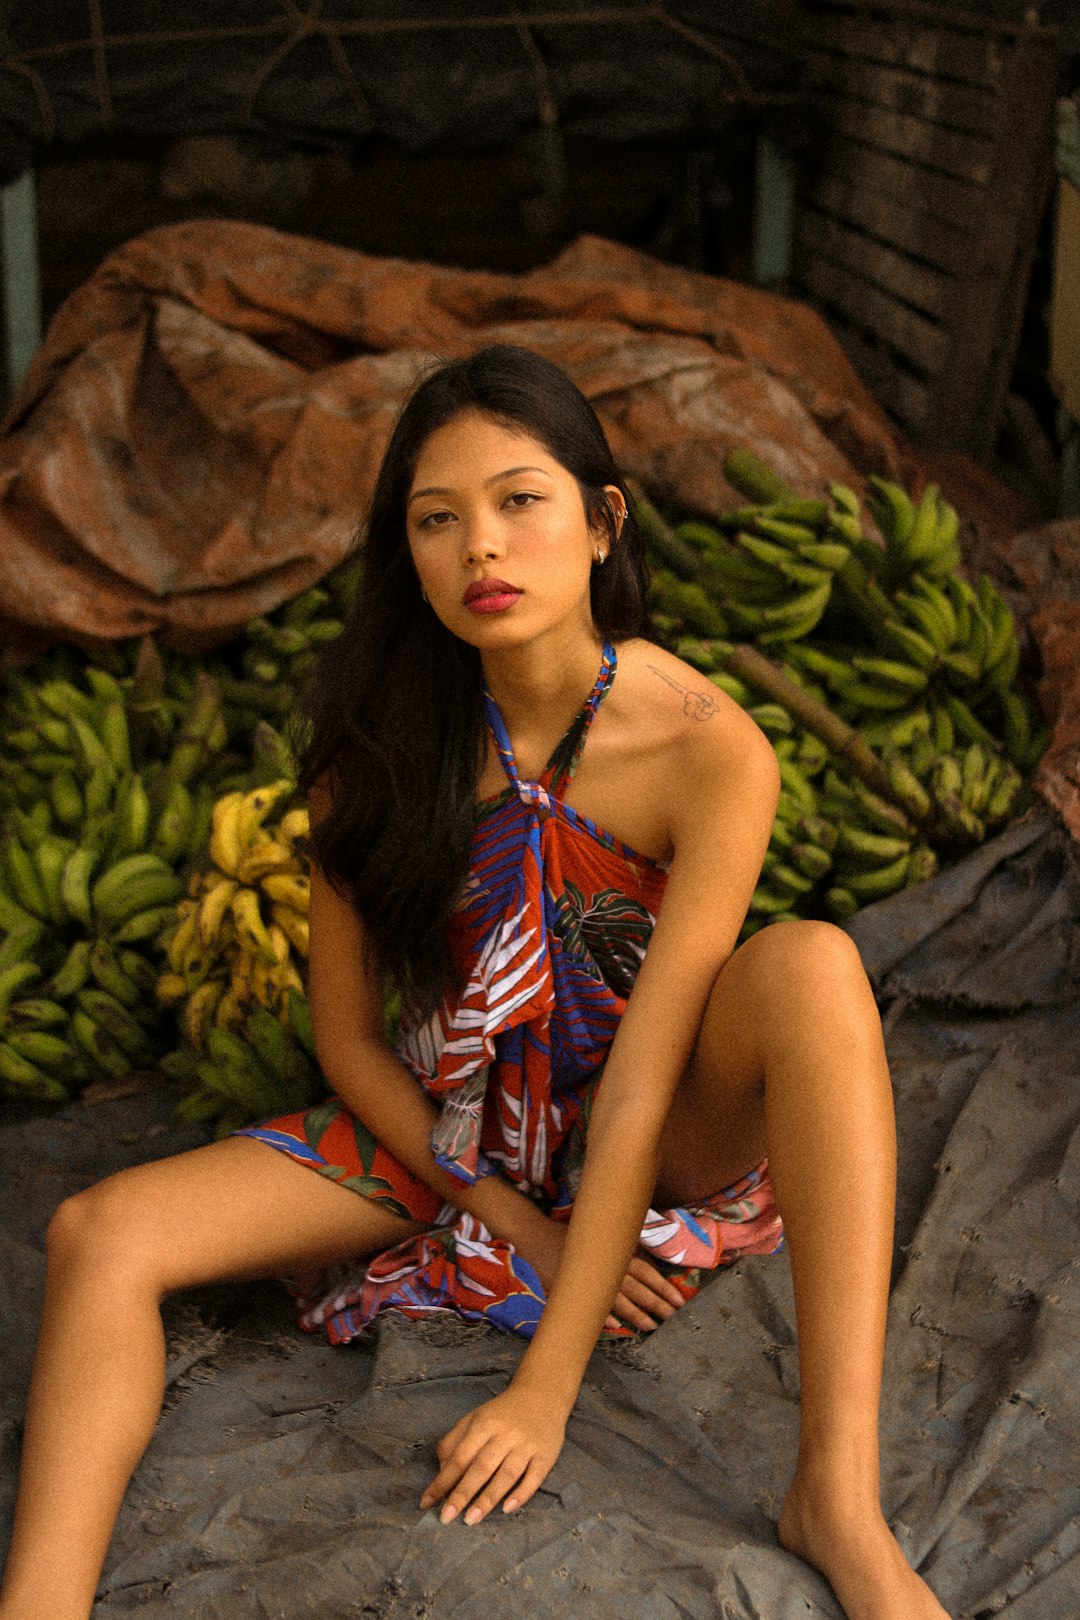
x: 541, y: 687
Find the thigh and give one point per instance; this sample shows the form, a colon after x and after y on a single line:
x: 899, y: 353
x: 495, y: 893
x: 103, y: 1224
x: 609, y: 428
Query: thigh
x: 230, y: 1211
x: 762, y: 998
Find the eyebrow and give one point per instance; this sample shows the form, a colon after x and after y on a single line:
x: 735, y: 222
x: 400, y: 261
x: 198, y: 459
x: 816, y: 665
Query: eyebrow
x: 439, y: 489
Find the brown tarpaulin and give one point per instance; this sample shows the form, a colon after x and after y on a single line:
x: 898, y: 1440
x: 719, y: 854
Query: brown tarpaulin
x: 198, y: 435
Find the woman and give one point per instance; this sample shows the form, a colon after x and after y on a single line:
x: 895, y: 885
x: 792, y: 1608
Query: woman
x: 505, y: 850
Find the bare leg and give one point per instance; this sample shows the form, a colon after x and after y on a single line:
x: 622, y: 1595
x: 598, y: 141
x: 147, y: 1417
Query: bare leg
x: 236, y: 1209
x: 791, y: 1062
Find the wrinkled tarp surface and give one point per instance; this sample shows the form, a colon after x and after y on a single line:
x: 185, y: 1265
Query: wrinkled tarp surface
x: 284, y: 1475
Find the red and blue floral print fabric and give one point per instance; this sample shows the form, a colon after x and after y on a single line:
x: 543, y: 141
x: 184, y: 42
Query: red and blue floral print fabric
x: 549, y: 933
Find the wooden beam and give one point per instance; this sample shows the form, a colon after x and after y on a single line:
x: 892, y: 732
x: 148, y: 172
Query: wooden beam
x: 20, y: 274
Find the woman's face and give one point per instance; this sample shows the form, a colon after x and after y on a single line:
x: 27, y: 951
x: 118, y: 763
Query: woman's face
x: 498, y: 536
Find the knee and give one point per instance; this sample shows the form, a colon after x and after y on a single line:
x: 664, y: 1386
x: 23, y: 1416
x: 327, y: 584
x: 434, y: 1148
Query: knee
x: 96, y: 1228
x: 805, y: 951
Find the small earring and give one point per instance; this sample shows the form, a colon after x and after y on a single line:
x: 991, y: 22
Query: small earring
x: 424, y: 594
x: 599, y: 554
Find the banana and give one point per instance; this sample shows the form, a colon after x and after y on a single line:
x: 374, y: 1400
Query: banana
x: 250, y: 928
x: 845, y: 498
x: 226, y: 846
x: 99, y: 1045
x: 968, y: 725
x: 199, y: 1011
x: 231, y: 1009
x: 49, y: 858
x: 768, y: 902
x: 113, y: 731
x: 25, y: 880
x: 90, y: 752
x: 940, y: 602
x: 836, y: 672
x: 811, y: 603
x: 171, y: 989
x: 173, y: 828
x: 75, y: 884
x: 1001, y: 800
x: 810, y: 859
x: 869, y: 694
x: 868, y: 847
x: 919, y: 542
x: 961, y: 669
x: 943, y: 731
x: 12, y: 980
x: 827, y: 554
x: 114, y: 1017
x: 133, y: 884
x: 946, y: 777
x: 132, y: 816
x: 213, y: 908
x: 907, y: 787
x: 281, y: 1058
x: 37, y: 1010
x: 105, y: 687
x: 789, y: 880
x: 919, y: 650
x: 184, y: 936
x: 66, y: 798
x: 20, y: 942
x: 797, y: 785
x: 98, y: 791
x: 898, y: 729
x: 922, y: 864
x: 299, y: 1009
x: 880, y: 880
x: 787, y: 533
x: 62, y: 700
x: 906, y: 677
x: 731, y: 684
x: 143, y: 925
x: 293, y: 925
x: 264, y: 856
x: 241, y: 1071
x: 1017, y: 727
x: 840, y: 903
x: 878, y: 813
x: 48, y: 1051
x: 944, y: 555
x: 296, y: 823
x: 72, y: 973
x: 105, y: 968
x: 293, y: 889
x: 973, y: 769
x: 12, y: 915
x: 22, y: 1078
x: 773, y: 719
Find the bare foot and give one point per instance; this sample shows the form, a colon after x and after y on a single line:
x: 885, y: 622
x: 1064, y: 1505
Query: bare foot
x: 859, y: 1557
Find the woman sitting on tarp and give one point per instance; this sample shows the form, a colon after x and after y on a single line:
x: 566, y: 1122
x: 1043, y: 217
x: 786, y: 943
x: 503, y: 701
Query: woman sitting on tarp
x: 546, y: 831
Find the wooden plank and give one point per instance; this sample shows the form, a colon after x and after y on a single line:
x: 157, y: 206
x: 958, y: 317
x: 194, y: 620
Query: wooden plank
x: 904, y: 395
x: 973, y: 109
x: 985, y: 309
x: 933, y: 241
x: 895, y: 273
x: 20, y: 282
x: 906, y: 43
x: 956, y: 17
x: 909, y: 185
x: 967, y: 157
x: 922, y: 342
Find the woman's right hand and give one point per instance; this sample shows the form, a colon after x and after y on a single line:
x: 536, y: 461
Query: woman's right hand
x: 645, y: 1298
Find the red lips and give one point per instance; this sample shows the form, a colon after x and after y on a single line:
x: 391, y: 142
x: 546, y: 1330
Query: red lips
x: 489, y: 587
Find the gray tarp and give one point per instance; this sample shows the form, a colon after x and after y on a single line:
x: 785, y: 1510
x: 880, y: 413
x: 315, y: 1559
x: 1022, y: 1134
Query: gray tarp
x: 283, y: 1478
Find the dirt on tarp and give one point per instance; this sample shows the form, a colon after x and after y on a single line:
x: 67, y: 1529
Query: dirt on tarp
x: 284, y: 1475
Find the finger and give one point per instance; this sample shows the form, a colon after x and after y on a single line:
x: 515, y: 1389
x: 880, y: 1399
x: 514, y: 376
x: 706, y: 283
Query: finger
x: 657, y: 1281
x: 507, y: 1476
x: 475, y: 1477
x: 632, y: 1314
x: 646, y: 1300
x: 452, y: 1469
x: 527, y: 1487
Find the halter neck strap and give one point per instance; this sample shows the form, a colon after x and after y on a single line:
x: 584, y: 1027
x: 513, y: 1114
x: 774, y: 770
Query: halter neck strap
x: 567, y: 752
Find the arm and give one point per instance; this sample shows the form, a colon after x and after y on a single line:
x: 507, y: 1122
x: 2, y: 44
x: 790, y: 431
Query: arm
x: 722, y: 816
x: 347, y: 1013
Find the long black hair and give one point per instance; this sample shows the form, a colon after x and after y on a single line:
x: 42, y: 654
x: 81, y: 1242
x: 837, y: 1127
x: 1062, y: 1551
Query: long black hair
x: 393, y: 718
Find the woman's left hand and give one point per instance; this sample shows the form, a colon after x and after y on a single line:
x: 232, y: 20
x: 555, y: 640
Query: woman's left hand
x: 510, y: 1444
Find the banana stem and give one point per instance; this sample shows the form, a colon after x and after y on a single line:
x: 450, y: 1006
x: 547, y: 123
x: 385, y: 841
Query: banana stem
x: 840, y: 738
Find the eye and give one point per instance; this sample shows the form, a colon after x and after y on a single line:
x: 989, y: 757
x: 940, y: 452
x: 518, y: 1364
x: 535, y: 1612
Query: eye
x: 523, y: 495
x: 427, y: 521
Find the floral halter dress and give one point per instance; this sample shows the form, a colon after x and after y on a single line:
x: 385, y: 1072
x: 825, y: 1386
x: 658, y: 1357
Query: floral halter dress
x: 549, y: 932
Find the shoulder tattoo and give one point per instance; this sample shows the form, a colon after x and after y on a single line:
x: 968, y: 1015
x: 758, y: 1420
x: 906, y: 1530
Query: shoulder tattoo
x: 696, y: 705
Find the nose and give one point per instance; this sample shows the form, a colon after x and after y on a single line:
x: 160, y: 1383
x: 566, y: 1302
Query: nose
x: 482, y: 540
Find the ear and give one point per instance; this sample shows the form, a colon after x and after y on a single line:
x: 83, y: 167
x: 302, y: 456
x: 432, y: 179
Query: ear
x: 616, y: 502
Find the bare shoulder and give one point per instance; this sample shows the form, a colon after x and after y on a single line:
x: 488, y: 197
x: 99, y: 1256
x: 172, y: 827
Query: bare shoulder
x: 696, y: 724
